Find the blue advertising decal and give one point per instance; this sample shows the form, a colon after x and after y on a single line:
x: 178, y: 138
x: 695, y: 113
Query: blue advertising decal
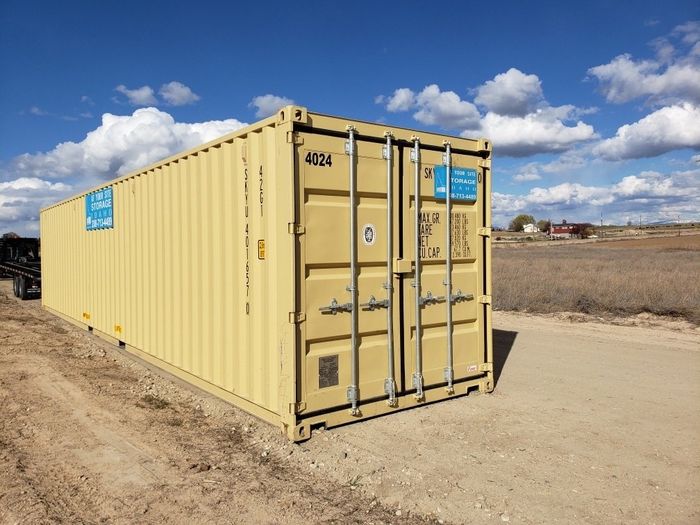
x: 463, y: 183
x: 99, y: 209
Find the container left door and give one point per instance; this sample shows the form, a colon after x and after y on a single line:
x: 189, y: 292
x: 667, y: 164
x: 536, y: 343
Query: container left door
x: 332, y: 368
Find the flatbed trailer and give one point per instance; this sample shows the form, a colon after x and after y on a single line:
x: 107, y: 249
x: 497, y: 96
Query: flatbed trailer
x: 19, y: 259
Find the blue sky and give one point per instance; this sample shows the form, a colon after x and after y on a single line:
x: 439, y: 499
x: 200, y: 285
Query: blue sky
x: 592, y: 107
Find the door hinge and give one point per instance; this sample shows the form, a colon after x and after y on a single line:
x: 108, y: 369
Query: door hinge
x: 484, y: 232
x: 293, y: 137
x: 295, y: 408
x: 485, y: 299
x: 486, y: 367
x: 297, y: 317
x: 295, y: 229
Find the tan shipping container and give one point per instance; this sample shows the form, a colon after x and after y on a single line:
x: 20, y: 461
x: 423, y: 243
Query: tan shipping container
x: 275, y: 267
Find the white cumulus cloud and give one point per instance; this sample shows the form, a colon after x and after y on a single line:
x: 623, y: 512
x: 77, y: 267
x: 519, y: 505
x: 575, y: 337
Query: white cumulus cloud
x: 669, y: 128
x: 445, y: 109
x: 517, y: 117
x: 624, y: 79
x: 654, y: 195
x: 177, y: 94
x: 269, y: 104
x: 673, y: 77
x: 543, y: 131
x: 21, y: 199
x: 435, y: 107
x: 143, y: 96
x: 403, y: 99
x: 512, y: 93
x: 121, y: 143
x: 26, y: 186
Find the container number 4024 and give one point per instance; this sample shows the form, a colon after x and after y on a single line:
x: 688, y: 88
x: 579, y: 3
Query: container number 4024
x: 318, y: 159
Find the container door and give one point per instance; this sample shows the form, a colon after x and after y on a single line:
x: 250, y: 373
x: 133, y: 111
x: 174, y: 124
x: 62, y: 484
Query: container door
x: 350, y: 339
x: 431, y: 358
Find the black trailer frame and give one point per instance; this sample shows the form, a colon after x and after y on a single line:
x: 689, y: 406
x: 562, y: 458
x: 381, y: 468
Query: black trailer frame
x: 19, y: 259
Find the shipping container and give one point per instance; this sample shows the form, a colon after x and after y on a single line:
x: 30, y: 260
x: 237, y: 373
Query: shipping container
x: 304, y: 268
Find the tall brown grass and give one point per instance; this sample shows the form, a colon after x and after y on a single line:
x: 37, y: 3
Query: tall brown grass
x: 620, y: 278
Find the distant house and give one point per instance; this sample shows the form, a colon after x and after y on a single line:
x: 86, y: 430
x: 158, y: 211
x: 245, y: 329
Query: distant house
x: 530, y: 228
x: 564, y: 230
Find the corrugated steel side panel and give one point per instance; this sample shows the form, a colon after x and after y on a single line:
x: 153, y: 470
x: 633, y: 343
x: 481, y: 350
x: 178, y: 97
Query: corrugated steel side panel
x: 178, y: 276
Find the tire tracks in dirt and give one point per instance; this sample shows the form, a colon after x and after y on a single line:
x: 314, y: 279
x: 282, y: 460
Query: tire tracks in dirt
x: 88, y: 435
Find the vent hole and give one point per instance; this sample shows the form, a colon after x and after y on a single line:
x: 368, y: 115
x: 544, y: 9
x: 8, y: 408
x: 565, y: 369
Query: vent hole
x: 282, y: 115
x: 297, y: 115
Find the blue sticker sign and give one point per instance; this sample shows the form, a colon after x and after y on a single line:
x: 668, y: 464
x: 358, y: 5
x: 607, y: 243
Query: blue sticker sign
x: 99, y: 206
x: 463, y: 183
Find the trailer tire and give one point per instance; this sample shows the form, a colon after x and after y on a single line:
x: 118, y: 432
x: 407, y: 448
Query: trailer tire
x: 15, y: 284
x: 23, y: 289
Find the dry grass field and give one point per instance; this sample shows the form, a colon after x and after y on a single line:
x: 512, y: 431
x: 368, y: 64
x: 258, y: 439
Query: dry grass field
x: 627, y: 277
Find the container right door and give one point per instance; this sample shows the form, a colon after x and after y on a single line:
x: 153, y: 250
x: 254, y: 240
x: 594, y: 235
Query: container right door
x: 432, y: 363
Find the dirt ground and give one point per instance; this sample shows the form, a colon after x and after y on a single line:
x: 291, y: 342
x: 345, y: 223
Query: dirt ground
x: 589, y: 423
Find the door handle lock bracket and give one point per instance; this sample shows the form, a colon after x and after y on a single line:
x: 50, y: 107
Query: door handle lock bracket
x: 374, y: 304
x: 431, y: 299
x: 334, y: 307
x: 459, y: 297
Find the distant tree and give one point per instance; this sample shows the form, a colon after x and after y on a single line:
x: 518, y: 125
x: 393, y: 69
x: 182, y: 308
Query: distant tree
x: 543, y: 225
x: 10, y: 235
x: 520, y: 221
x: 586, y: 230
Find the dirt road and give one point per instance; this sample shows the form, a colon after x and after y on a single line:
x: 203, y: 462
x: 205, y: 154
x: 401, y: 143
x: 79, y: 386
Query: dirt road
x: 589, y: 423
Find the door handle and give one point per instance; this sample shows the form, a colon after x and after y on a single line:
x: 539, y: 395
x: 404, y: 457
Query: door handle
x: 373, y: 304
x: 431, y: 299
x: 459, y: 297
x: 334, y: 307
